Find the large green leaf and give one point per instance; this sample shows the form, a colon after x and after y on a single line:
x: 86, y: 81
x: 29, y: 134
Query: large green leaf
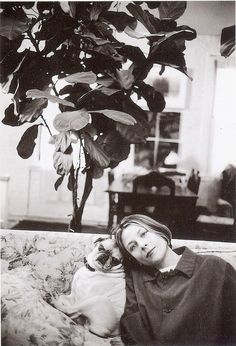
x: 58, y: 182
x: 62, y: 141
x: 7, y: 84
x: 97, y: 40
x: 114, y: 145
x: 110, y: 51
x: 125, y: 77
x: 133, y: 53
x: 12, y: 27
x: 97, y: 171
x: 139, y: 131
x: 172, y: 9
x: 227, y: 41
x: 143, y: 16
x: 68, y: 7
x: 138, y: 35
x: 105, y: 81
x: 32, y: 110
x: 155, y: 99
x: 108, y: 91
x: 169, y: 53
x: 75, y: 120
x: 27, y: 143
x: 95, y: 152
x: 119, y: 19
x: 38, y: 94
x: 82, y: 77
x: 118, y: 116
x: 62, y: 162
x: 97, y: 8
x: 178, y: 36
x: 10, y: 118
x: 133, y: 134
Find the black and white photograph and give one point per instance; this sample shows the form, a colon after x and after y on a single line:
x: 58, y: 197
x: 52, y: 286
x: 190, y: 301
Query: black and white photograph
x: 118, y: 173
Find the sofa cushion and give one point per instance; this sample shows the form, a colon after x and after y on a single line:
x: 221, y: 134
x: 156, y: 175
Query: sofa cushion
x: 27, y: 319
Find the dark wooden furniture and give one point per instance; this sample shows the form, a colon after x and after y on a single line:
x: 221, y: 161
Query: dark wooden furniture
x: 222, y: 225
x: 177, y: 209
x: 153, y: 179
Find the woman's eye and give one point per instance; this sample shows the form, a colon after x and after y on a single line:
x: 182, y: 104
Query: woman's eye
x: 143, y: 234
x: 132, y: 248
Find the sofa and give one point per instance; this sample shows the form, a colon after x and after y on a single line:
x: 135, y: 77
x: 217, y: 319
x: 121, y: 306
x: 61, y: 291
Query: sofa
x: 37, y: 265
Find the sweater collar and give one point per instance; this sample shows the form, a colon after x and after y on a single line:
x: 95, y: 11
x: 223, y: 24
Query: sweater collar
x: 185, y: 265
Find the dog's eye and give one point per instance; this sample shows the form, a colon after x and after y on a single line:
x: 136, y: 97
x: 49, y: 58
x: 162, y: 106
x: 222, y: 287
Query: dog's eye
x: 115, y: 261
x: 101, y: 247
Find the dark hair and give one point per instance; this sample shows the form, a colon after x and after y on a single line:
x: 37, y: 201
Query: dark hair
x: 144, y: 221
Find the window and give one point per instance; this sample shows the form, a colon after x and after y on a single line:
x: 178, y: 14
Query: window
x: 161, y: 148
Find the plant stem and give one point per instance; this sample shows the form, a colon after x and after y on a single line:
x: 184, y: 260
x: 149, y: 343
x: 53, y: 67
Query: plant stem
x: 55, y: 90
x: 33, y: 41
x: 45, y: 123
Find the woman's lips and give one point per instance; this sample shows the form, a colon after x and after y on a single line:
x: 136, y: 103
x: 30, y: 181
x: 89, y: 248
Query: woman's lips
x: 150, y: 252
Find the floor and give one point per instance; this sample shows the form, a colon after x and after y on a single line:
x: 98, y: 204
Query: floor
x: 61, y: 227
x: 56, y: 227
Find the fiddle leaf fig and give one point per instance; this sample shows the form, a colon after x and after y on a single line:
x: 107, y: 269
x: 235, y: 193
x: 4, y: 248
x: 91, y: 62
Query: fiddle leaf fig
x: 10, y: 118
x: 135, y: 34
x: 12, y: 27
x: 97, y: 171
x: 108, y: 91
x: 59, y: 182
x: 114, y: 145
x: 27, y: 143
x: 120, y: 20
x: 118, y: 116
x: 125, y: 77
x: 75, y: 120
x: 73, y: 50
x: 172, y: 9
x: 96, y: 152
x: 38, y: 94
x: 62, y: 141
x: 32, y: 110
x: 147, y: 19
x: 133, y: 134
x: 62, y: 162
x: 82, y: 77
x: 155, y: 99
x: 227, y: 41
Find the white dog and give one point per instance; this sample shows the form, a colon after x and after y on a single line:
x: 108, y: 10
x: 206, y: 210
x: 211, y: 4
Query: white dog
x: 98, y: 290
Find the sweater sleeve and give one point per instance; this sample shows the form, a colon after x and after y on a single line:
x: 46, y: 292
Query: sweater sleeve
x: 131, y: 306
x: 229, y: 306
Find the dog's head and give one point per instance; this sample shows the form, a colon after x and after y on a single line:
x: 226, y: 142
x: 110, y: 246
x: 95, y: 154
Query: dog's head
x: 105, y: 256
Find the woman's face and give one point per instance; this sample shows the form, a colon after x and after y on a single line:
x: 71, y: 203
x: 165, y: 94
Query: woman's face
x: 146, y: 247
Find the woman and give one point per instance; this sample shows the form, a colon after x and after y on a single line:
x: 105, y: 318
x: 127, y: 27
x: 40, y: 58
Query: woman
x: 173, y: 297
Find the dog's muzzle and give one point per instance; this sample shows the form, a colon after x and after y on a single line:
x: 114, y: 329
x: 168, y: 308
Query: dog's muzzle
x: 103, y: 258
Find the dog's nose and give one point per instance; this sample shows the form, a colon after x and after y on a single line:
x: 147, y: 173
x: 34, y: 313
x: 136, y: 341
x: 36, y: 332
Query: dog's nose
x: 104, y: 257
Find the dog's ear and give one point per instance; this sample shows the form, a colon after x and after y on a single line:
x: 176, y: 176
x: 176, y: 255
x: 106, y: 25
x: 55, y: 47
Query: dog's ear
x: 99, y: 240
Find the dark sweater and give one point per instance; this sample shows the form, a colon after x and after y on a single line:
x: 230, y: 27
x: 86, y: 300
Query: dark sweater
x: 195, y: 304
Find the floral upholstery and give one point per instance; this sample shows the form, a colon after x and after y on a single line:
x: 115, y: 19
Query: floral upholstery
x: 37, y: 265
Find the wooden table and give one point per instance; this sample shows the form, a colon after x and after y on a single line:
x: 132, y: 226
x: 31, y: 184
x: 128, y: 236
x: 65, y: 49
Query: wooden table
x: 177, y: 211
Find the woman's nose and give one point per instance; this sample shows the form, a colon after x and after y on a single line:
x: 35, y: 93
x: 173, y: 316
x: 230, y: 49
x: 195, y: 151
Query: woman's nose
x: 143, y: 244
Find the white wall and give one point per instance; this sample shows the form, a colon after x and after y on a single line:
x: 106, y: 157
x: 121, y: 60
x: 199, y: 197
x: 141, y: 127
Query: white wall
x: 12, y: 165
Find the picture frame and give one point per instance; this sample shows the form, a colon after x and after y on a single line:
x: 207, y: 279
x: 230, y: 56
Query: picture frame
x: 172, y: 84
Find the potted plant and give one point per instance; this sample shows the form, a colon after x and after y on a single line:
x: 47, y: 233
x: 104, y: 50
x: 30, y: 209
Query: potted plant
x: 75, y: 42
